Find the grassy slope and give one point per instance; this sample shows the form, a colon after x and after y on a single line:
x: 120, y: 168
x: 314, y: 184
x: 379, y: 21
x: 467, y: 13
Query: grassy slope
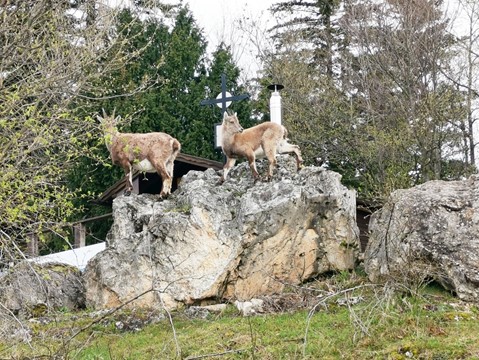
x: 385, y: 324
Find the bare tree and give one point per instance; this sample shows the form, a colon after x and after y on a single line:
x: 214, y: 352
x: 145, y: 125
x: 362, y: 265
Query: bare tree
x: 376, y: 104
x: 465, y: 28
x: 51, y: 54
x: 403, y: 49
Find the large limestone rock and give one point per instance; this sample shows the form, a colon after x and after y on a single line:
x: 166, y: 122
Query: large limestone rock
x: 429, y: 232
x: 209, y: 242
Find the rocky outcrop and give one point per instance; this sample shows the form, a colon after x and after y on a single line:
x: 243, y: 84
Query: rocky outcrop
x: 31, y: 289
x: 210, y: 242
x: 429, y: 232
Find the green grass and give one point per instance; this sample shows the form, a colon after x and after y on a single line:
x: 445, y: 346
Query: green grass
x: 429, y: 325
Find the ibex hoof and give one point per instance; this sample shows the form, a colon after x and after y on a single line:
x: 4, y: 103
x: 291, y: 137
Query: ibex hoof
x: 220, y: 181
x: 127, y: 192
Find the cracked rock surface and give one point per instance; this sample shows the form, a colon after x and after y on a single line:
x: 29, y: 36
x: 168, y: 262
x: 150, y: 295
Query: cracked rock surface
x: 429, y: 232
x: 208, y: 243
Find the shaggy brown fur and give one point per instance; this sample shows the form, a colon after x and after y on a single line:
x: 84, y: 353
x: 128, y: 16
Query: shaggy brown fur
x: 263, y: 140
x: 151, y: 152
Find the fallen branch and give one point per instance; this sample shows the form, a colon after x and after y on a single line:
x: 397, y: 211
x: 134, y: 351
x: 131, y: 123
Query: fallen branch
x: 216, y: 354
x: 323, y: 302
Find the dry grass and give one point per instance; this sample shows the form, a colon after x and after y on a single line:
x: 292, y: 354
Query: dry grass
x: 337, y: 317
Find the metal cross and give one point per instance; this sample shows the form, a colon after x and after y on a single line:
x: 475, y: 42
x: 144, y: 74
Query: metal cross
x: 224, y: 98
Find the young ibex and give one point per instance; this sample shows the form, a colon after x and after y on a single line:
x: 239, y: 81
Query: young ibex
x: 151, y: 152
x: 264, y: 140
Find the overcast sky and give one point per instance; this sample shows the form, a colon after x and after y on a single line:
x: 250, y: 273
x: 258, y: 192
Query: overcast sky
x: 219, y: 21
x: 219, y: 18
x: 216, y: 16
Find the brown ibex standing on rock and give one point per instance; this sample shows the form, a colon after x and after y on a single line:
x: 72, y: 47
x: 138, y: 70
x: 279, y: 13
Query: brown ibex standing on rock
x: 264, y: 140
x: 150, y: 152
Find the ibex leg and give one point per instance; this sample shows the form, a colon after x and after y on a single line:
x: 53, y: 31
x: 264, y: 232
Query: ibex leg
x: 271, y: 156
x: 252, y: 166
x: 129, y: 180
x: 287, y: 148
x: 166, y: 178
x: 230, y: 162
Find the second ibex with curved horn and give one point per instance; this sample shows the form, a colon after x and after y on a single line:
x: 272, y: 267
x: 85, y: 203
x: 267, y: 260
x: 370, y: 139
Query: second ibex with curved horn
x: 264, y: 140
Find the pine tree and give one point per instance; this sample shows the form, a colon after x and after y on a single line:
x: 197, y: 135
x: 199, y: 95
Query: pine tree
x: 311, y: 25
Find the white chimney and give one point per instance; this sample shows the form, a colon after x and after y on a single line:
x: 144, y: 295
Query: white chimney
x: 275, y: 103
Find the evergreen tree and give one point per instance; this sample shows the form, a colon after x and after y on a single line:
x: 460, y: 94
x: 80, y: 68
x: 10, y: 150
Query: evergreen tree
x: 146, y: 41
x: 313, y: 28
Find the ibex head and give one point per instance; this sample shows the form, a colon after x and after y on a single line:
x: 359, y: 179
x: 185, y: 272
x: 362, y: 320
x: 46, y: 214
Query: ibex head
x: 231, y: 123
x: 108, y: 121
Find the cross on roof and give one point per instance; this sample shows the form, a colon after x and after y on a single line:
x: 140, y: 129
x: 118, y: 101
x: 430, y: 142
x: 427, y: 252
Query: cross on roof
x: 224, y: 98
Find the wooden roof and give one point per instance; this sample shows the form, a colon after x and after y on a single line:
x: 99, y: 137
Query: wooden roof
x: 183, y: 164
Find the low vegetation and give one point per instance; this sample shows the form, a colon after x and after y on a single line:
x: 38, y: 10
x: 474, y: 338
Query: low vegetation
x: 341, y: 317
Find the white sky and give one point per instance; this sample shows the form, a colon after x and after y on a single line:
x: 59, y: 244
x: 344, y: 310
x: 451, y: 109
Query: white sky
x: 216, y: 16
x: 219, y: 20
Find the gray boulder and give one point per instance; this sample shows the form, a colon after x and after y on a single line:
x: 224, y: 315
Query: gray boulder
x: 429, y: 232
x: 209, y: 242
x: 30, y: 289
